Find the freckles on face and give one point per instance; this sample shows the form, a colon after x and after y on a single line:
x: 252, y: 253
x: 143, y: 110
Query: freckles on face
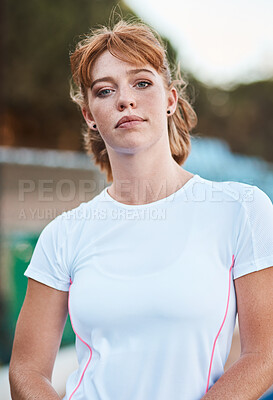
x: 120, y: 89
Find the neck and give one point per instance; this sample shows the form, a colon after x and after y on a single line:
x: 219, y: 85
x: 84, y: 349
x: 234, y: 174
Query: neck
x: 141, y: 179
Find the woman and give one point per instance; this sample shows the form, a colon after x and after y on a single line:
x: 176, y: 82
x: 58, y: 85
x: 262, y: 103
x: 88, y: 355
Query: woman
x: 154, y: 269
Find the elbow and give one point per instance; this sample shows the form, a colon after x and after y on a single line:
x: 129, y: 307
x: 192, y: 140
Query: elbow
x: 17, y: 380
x: 13, y: 379
x: 263, y: 361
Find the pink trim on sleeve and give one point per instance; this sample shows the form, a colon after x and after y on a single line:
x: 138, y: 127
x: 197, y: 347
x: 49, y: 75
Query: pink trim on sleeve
x: 214, y: 344
x: 90, y: 356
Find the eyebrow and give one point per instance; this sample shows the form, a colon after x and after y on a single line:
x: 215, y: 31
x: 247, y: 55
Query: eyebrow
x: 130, y: 72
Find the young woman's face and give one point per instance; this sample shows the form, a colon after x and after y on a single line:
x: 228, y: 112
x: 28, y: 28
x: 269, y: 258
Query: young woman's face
x: 120, y: 89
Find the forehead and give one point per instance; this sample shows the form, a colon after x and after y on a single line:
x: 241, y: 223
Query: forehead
x: 107, y: 63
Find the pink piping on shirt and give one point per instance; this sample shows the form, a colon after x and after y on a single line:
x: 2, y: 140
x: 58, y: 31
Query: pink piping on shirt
x: 214, y: 344
x: 90, y: 356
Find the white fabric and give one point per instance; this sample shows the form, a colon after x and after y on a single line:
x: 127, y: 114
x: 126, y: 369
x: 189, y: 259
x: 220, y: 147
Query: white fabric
x: 150, y: 290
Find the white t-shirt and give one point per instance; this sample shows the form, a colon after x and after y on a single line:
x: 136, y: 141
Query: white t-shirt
x: 152, y: 299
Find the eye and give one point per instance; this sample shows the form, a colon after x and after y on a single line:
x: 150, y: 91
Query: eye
x: 143, y: 84
x: 103, y: 92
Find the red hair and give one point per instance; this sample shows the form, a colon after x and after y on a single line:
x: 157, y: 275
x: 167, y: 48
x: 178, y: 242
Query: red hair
x: 136, y: 43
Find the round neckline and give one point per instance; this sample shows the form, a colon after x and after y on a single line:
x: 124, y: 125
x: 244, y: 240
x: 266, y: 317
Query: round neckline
x: 107, y: 196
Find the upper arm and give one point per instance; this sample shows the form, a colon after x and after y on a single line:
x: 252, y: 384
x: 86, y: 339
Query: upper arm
x: 39, y: 328
x: 254, y: 294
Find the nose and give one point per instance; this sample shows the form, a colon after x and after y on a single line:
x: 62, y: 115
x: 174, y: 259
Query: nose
x: 126, y: 100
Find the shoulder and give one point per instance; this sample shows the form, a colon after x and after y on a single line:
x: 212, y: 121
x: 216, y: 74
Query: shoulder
x: 246, y: 196
x: 80, y: 214
x: 70, y: 222
x: 239, y: 201
x: 227, y: 190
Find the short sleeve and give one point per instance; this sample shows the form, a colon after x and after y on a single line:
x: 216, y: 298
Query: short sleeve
x: 48, y: 262
x: 254, y: 242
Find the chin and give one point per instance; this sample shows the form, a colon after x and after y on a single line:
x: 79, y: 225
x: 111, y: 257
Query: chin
x: 130, y: 144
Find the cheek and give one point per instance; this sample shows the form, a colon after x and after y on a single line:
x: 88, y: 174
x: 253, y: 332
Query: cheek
x: 156, y: 102
x: 103, y: 117
x: 159, y: 110
x: 100, y: 113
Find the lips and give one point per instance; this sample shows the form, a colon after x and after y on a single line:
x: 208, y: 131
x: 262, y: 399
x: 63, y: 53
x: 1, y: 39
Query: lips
x: 128, y: 118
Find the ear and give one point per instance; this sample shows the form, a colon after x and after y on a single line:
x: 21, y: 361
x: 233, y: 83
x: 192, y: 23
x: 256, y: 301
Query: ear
x: 172, y: 100
x: 88, y: 118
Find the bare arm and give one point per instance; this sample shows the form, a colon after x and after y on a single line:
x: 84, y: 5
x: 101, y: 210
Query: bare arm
x: 37, y: 339
x: 252, y: 374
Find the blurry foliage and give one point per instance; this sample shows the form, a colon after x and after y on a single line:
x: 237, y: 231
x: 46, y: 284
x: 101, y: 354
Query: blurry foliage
x: 38, y: 36
x: 36, y: 39
x: 5, y: 336
x: 242, y: 116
